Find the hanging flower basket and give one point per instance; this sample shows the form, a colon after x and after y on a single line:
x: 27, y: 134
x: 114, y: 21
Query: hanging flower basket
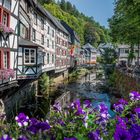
x: 4, y: 29
x: 6, y: 74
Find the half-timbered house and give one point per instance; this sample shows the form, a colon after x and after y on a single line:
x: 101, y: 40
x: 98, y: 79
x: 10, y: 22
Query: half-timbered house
x: 62, y: 38
x: 37, y: 41
x: 8, y: 43
x: 74, y: 46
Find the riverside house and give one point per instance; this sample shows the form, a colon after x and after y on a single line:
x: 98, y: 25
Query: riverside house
x: 36, y: 53
x: 8, y: 43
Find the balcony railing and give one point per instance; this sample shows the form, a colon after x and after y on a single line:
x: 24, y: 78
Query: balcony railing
x: 6, y: 75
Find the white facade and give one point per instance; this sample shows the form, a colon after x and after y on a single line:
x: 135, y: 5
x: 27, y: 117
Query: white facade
x: 8, y: 47
x: 36, y: 43
x: 61, y: 51
x: 123, y: 53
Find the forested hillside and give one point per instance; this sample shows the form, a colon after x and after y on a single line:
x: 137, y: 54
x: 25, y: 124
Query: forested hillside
x: 86, y: 27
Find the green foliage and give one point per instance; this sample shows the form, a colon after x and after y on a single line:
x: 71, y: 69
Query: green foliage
x: 82, y: 24
x: 44, y: 83
x: 46, y: 1
x: 124, y: 24
x: 108, y: 56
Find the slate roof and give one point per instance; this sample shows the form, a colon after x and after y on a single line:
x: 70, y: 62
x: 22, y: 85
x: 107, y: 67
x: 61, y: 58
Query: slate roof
x: 49, y: 16
x: 70, y: 30
x: 89, y: 47
x: 23, y: 42
x: 105, y: 45
x: 56, y: 22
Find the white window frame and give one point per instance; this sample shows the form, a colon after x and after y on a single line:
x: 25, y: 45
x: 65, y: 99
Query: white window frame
x: 30, y: 56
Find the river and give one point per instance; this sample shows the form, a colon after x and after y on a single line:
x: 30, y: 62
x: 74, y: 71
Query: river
x: 86, y: 87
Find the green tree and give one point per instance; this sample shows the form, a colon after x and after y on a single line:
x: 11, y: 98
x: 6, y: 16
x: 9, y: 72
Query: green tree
x: 91, y: 35
x: 44, y: 83
x: 78, y: 21
x: 63, y: 5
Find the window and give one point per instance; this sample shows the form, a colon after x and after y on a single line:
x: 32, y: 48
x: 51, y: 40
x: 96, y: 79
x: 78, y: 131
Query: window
x: 42, y: 39
x: 42, y: 24
x: 63, y: 43
x: 34, y: 35
x: 126, y: 51
x: 52, y: 58
x: 35, y: 18
x: 53, y: 44
x: 48, y: 30
x: 5, y: 18
x: 52, y: 33
x: 23, y: 31
x: 29, y: 56
x: 121, y: 51
x: 48, y: 58
x: 48, y: 43
x: 6, y: 59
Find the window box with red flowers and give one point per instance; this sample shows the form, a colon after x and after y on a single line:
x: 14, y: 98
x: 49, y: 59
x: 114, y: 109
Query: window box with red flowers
x: 6, y: 74
x: 5, y: 29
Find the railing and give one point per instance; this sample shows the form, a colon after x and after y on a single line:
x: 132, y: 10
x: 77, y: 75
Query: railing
x: 6, y: 75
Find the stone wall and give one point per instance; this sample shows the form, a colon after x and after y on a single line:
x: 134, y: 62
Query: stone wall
x: 60, y: 77
x: 13, y: 99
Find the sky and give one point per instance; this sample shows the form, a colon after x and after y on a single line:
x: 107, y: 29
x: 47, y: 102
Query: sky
x: 101, y: 10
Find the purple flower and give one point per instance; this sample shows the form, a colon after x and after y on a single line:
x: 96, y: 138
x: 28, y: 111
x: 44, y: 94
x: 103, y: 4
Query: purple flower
x: 79, y: 111
x: 103, y: 108
x: 121, y: 122
x: 38, y: 126
x: 118, y: 107
x: 135, y: 132
x: 57, y: 107
x: 22, y: 120
x: 122, y: 134
x: 94, y: 135
x: 133, y: 118
x: 72, y: 138
x: 6, y: 137
x: 22, y: 138
x: 134, y: 96
x: 123, y: 102
x: 33, y: 121
x: 77, y: 103
x: 137, y: 110
x: 87, y: 103
x: 61, y: 122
